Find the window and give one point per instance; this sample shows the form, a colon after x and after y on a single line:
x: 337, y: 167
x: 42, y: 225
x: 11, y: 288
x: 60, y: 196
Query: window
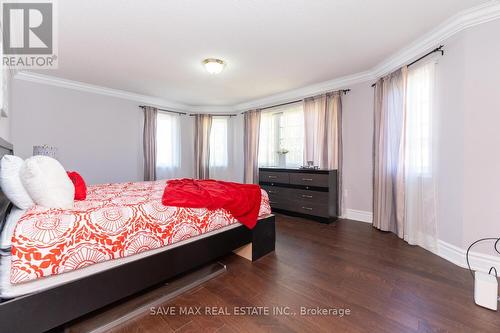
x: 421, y: 146
x: 218, y: 142
x: 2, y: 85
x: 167, y: 141
x: 419, y: 122
x: 281, y: 141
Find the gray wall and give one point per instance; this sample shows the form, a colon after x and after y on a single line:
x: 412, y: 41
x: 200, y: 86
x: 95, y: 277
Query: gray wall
x: 98, y: 136
x: 469, y: 163
x: 481, y: 96
x: 450, y: 180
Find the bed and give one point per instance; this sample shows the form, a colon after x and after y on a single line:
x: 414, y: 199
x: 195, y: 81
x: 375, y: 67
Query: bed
x: 98, y: 263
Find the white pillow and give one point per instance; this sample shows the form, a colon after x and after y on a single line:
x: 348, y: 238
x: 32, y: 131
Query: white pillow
x: 10, y: 181
x: 47, y: 182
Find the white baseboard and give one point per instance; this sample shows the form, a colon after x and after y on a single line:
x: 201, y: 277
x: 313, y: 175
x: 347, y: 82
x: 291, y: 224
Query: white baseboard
x: 358, y: 215
x: 478, y: 261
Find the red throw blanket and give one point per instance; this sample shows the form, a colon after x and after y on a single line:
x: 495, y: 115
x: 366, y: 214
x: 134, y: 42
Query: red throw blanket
x: 241, y: 200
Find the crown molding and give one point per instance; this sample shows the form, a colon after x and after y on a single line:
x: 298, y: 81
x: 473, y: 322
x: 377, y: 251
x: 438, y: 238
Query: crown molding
x: 308, y: 91
x: 90, y: 88
x: 468, y: 18
x: 95, y: 89
x: 474, y: 16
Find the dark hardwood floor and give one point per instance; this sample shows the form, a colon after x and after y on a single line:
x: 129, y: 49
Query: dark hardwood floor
x: 388, y: 286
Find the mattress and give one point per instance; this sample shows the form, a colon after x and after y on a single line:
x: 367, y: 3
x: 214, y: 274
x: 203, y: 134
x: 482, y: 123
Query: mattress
x: 9, y: 290
x: 117, y: 223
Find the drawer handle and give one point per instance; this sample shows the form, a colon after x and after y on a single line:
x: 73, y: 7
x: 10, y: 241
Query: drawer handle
x: 272, y: 177
x: 272, y: 192
x: 307, y: 196
x: 307, y: 208
x: 307, y: 179
x: 272, y: 202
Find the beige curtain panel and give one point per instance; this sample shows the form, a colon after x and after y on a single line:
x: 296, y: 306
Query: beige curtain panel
x: 203, y: 125
x: 315, y: 131
x: 323, y: 134
x: 323, y: 130
x: 149, y: 143
x: 389, y: 153
x: 251, y: 146
x: 334, y: 139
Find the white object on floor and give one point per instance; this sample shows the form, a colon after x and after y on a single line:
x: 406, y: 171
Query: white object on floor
x: 486, y: 290
x: 47, y: 182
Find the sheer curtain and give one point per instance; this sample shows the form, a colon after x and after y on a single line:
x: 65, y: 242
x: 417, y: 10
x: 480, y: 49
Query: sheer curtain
x: 268, y: 147
x: 389, y: 153
x: 219, y: 150
x: 168, y: 142
x: 421, y: 150
x: 282, y: 130
x: 315, y: 131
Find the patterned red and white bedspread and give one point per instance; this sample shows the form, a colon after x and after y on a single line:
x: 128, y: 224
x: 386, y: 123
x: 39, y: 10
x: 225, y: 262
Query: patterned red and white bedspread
x: 116, y: 220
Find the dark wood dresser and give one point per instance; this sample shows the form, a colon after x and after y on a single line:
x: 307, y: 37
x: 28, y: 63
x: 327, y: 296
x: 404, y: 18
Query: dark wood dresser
x: 306, y: 193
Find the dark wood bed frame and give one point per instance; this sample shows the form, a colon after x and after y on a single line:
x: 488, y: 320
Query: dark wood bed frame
x: 51, y: 308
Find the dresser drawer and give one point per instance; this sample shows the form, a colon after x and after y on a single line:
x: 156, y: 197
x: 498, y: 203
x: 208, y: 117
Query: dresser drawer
x: 298, y: 195
x: 276, y: 191
x: 310, y: 208
x: 281, y: 203
x: 274, y: 177
x: 278, y: 196
x: 309, y: 179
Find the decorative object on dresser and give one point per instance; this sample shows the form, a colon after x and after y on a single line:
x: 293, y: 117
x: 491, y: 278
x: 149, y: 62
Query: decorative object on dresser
x: 309, y: 193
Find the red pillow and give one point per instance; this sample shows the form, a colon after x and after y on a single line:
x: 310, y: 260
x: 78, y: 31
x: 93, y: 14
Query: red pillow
x: 80, y: 186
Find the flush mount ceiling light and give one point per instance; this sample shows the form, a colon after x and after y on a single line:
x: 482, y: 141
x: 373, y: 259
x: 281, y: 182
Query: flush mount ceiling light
x: 213, y: 66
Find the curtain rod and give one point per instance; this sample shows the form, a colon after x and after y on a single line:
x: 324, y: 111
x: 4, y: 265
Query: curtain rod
x: 345, y: 91
x: 214, y: 115
x: 183, y: 113
x: 438, y: 49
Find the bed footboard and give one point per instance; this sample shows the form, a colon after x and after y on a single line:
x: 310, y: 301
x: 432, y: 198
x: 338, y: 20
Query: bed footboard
x: 263, y: 241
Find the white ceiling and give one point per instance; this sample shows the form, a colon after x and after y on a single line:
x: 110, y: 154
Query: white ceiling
x: 155, y: 47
